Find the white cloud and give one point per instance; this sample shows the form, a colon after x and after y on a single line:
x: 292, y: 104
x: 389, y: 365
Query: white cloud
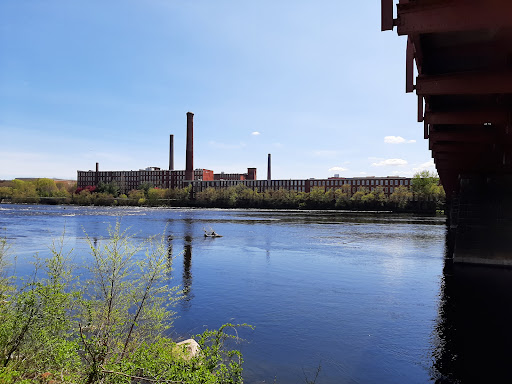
x: 362, y: 173
x: 337, y: 169
x: 255, y: 133
x: 397, y: 140
x: 428, y: 166
x: 390, y: 162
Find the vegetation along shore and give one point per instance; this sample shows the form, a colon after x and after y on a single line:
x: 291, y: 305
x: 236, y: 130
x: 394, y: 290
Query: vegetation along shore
x: 57, y: 326
x: 425, y: 195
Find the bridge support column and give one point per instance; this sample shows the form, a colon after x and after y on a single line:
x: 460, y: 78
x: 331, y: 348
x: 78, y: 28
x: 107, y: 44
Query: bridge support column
x: 481, y: 218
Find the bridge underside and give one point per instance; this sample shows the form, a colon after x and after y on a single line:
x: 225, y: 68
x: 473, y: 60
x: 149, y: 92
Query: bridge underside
x: 463, y: 55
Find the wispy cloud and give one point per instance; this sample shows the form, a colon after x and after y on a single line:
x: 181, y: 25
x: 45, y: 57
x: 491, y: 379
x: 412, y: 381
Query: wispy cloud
x: 428, y: 166
x: 337, y: 169
x: 397, y: 140
x: 255, y: 133
x: 390, y: 162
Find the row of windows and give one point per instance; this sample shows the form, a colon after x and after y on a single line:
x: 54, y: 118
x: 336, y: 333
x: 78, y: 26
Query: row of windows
x: 369, y: 182
x: 91, y: 175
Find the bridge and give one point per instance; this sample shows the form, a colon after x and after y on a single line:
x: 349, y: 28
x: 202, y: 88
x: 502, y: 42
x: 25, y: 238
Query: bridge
x: 459, y: 62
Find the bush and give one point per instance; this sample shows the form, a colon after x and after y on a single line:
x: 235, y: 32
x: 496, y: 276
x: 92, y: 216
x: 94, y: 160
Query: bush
x: 109, y: 330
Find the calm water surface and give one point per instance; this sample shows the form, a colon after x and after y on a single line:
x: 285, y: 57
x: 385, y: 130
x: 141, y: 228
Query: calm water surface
x: 367, y: 297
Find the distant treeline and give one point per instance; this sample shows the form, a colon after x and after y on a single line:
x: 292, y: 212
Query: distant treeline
x: 425, y: 195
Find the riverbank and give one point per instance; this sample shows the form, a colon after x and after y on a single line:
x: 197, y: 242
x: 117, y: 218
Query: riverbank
x: 411, y: 207
x: 425, y: 196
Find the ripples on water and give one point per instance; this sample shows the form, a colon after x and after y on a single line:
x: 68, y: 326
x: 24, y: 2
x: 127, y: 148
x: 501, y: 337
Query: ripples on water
x: 363, y: 295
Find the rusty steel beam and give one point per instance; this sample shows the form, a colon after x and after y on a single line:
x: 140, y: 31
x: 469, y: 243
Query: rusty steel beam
x: 472, y: 117
x: 409, y: 66
x: 458, y: 148
x: 472, y: 83
x: 386, y: 12
x: 457, y: 161
x: 454, y: 160
x: 452, y: 16
x: 420, y: 108
x: 462, y: 137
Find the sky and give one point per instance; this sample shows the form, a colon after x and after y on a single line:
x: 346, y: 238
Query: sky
x: 314, y: 83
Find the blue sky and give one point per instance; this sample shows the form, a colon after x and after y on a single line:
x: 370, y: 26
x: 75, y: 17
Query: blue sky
x: 316, y: 84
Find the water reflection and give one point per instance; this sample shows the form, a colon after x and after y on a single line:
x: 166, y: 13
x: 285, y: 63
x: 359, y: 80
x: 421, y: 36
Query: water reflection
x: 169, y: 254
x: 187, y: 265
x: 473, y: 334
x: 186, y: 284
x: 187, y: 277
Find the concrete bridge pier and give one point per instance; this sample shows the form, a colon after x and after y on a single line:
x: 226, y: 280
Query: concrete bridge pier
x: 481, y: 219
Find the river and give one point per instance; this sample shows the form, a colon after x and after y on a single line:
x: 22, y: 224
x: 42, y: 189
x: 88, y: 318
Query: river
x: 367, y: 297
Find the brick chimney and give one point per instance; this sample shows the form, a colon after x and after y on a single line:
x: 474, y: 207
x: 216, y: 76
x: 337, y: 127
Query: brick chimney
x: 269, y: 176
x: 171, y: 153
x: 189, y: 169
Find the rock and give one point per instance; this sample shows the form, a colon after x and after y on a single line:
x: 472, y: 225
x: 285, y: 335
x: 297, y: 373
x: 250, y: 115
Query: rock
x: 188, y: 349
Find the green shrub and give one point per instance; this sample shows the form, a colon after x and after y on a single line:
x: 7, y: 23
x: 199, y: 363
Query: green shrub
x: 108, y: 330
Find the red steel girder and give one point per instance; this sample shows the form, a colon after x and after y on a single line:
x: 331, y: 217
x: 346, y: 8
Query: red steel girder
x: 493, y: 116
x: 386, y: 7
x: 470, y: 83
x: 451, y: 16
x: 455, y: 147
x: 462, y: 137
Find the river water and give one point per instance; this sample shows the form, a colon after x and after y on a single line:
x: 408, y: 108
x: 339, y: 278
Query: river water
x: 367, y: 297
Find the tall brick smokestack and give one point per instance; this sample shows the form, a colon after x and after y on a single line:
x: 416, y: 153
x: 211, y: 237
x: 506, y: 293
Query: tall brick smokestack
x: 171, y: 153
x: 189, y: 168
x: 269, y: 175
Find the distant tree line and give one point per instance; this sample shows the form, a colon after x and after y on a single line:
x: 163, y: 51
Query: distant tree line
x: 425, y: 195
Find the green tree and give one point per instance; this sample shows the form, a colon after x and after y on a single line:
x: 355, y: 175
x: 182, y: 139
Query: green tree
x: 400, y: 197
x: 358, y: 196
x: 83, y: 198
x: 111, y: 188
x: 424, y: 184
x: 46, y: 187
x: 5, y: 192
x: 376, y: 198
x: 129, y: 299
x: 24, y: 192
x: 156, y: 196
x: 145, y: 187
x: 207, y: 197
x: 319, y: 198
x: 342, y: 196
x: 136, y: 194
x: 179, y: 196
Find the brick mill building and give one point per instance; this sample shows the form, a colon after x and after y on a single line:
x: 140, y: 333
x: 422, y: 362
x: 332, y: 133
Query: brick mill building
x: 201, y: 179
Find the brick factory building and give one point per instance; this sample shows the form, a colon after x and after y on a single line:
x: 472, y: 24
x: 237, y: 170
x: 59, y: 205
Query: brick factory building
x: 205, y: 178
x: 129, y: 180
x: 388, y: 184
x: 250, y: 175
